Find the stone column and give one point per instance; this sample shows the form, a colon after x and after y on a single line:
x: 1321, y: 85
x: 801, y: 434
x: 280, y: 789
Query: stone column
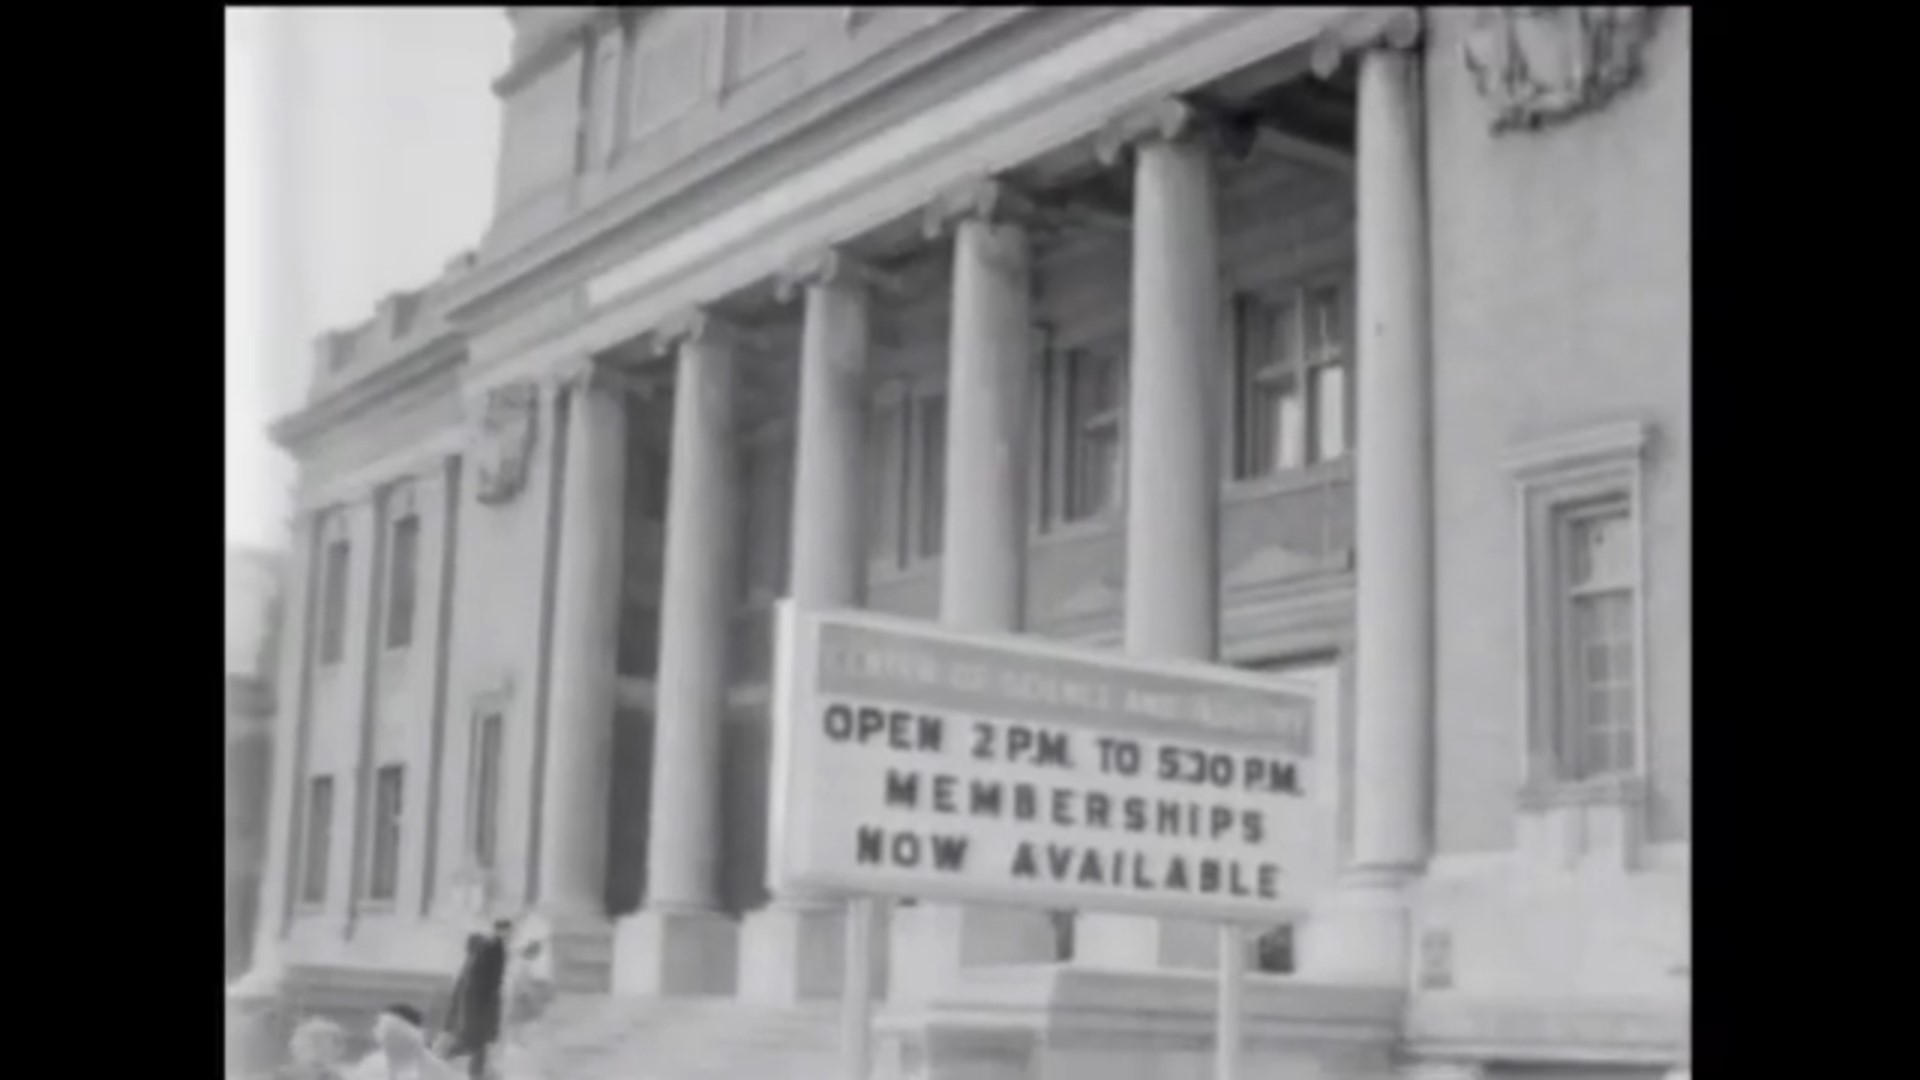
x: 1362, y: 933
x: 794, y: 949
x: 984, y: 549
x: 681, y: 942
x: 582, y: 680
x: 1173, y: 475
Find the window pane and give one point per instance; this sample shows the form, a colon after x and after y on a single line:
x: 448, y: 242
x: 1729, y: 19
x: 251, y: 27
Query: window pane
x: 319, y: 840
x: 333, y: 611
x: 401, y: 579
x: 932, y: 439
x: 1289, y: 429
x: 883, y: 479
x: 1329, y: 412
x: 486, y: 789
x: 383, y: 882
x: 1094, y: 450
x: 1601, y: 549
x: 1326, y: 338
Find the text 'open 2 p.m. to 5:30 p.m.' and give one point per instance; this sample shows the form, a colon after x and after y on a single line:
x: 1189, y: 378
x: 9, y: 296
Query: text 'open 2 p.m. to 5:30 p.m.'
x: 911, y: 761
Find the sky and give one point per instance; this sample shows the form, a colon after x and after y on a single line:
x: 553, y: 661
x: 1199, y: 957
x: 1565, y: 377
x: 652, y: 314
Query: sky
x: 361, y: 152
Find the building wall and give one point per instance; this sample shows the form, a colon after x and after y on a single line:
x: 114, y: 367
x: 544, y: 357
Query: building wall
x: 1560, y: 301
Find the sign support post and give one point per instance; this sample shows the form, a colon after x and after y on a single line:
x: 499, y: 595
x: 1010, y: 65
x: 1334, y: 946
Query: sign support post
x: 1229, y: 1008
x: 856, y: 995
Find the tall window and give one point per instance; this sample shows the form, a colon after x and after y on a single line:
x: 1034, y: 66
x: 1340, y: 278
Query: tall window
x: 1291, y: 362
x: 906, y: 476
x: 333, y: 606
x: 401, y: 583
x: 319, y: 840
x: 930, y: 446
x: 483, y: 814
x: 1580, y: 503
x: 1095, y: 455
x: 1596, y: 564
x: 383, y: 880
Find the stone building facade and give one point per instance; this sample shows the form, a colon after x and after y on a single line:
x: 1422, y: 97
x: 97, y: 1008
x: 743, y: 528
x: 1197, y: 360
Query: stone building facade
x: 1313, y: 339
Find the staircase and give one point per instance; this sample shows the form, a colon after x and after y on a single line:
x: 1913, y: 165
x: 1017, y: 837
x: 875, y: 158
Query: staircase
x: 596, y: 1037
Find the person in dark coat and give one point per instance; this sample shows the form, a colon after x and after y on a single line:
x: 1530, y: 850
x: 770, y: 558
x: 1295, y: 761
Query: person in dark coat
x: 474, y: 1013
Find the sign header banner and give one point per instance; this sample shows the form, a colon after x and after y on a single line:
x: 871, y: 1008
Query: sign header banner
x: 911, y: 761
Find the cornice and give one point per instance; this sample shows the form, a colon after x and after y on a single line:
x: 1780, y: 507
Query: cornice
x: 556, y: 42
x: 745, y: 161
x: 1399, y: 28
x: 295, y: 432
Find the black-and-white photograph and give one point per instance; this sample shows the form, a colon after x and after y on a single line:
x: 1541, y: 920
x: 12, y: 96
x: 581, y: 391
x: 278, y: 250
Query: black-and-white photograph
x: 959, y: 543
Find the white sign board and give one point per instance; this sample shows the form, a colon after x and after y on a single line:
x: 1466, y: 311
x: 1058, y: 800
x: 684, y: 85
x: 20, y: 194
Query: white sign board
x: 910, y: 761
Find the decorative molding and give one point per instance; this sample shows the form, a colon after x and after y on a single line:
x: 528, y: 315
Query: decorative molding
x: 556, y: 42
x: 699, y: 326
x: 1459, y: 1026
x: 1602, y: 445
x: 1397, y: 28
x: 296, y: 432
x: 833, y: 266
x: 503, y: 446
x: 1173, y: 119
x: 1540, y: 66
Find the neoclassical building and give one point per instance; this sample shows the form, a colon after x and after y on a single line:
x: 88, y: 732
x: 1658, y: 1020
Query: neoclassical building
x: 1349, y: 340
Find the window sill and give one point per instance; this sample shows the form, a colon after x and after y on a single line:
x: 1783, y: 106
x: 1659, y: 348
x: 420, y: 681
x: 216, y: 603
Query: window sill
x: 1624, y: 791
x: 1317, y: 475
x: 377, y: 907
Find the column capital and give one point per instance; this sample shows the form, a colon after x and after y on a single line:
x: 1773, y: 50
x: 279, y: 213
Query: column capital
x: 697, y: 326
x: 990, y: 199
x: 830, y: 266
x: 1398, y: 28
x: 587, y: 374
x: 1172, y: 119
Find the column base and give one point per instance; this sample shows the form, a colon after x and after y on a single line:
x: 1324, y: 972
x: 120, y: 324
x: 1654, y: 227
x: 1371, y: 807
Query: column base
x: 577, y: 953
x: 664, y: 953
x: 1360, y: 935
x: 1144, y: 943
x: 795, y: 950
x: 929, y: 944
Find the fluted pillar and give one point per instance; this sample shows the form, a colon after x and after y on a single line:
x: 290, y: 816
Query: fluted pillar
x: 681, y: 942
x: 586, y: 622
x: 1362, y: 932
x: 1173, y: 478
x: 795, y: 948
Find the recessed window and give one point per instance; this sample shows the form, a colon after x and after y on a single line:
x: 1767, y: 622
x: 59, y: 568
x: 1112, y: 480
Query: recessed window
x: 333, y: 602
x: 1082, y: 433
x: 1581, y: 606
x: 402, y: 582
x: 483, y: 806
x: 318, y: 848
x: 1291, y: 361
x: 389, y: 790
x: 1597, y: 641
x: 906, y: 475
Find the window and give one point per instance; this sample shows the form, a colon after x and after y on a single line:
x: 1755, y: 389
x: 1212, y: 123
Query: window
x: 388, y: 792
x: 930, y: 446
x: 1581, y: 584
x: 401, y: 575
x: 906, y: 475
x: 318, y: 848
x: 1597, y: 641
x: 1290, y: 379
x: 1273, y: 951
x: 483, y: 811
x: 1083, y: 405
x: 765, y: 486
x: 333, y: 606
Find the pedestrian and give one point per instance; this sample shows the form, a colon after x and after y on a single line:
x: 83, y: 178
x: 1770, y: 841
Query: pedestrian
x: 400, y: 1050
x: 473, y: 1015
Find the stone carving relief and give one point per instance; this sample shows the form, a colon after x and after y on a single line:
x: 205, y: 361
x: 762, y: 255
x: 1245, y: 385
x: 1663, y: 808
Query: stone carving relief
x: 1538, y: 66
x: 504, y: 443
